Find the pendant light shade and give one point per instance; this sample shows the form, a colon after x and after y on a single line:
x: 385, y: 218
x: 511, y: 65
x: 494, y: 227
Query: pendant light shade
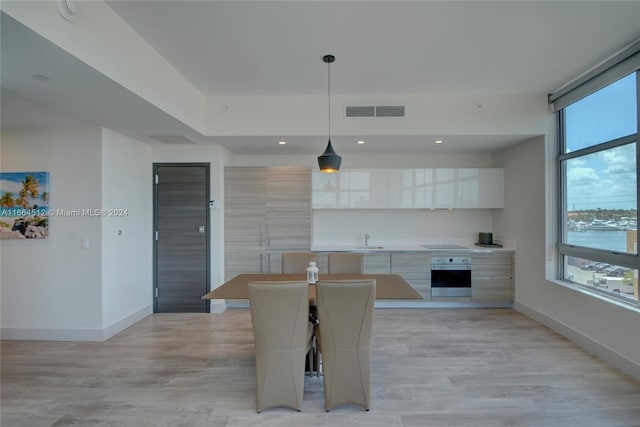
x: 329, y: 161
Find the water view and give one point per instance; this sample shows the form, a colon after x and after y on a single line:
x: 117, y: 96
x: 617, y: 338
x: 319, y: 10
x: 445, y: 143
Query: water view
x: 611, y: 240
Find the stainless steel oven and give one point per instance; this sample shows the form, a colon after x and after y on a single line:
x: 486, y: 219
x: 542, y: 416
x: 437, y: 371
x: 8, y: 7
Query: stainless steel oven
x: 451, y: 276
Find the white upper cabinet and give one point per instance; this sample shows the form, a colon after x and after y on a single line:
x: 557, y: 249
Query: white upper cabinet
x: 482, y: 188
x: 445, y: 189
x: 406, y: 188
x: 330, y: 190
x: 437, y: 188
x: 368, y: 189
x: 355, y: 189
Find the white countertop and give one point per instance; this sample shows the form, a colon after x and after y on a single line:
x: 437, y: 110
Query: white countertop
x: 469, y: 248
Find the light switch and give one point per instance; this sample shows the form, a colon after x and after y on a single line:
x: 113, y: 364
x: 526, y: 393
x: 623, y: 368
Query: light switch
x: 85, y: 243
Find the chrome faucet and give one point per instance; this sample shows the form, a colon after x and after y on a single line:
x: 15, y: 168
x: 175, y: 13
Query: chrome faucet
x: 366, y: 239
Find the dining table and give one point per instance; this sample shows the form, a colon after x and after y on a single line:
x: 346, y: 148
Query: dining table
x: 388, y: 286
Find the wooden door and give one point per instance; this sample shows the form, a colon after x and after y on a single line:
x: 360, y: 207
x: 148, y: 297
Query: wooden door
x: 181, y: 241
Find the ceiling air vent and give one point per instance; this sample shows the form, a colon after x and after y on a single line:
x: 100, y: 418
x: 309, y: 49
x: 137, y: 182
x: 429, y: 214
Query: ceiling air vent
x: 390, y: 111
x: 376, y: 111
x: 361, y: 111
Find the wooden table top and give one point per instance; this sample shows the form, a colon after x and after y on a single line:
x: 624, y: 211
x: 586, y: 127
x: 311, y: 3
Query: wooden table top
x: 388, y: 286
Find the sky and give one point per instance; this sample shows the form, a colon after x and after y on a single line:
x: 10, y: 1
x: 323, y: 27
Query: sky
x: 11, y: 182
x: 607, y: 179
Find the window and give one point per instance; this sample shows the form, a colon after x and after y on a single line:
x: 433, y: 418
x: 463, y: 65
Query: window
x: 598, y: 170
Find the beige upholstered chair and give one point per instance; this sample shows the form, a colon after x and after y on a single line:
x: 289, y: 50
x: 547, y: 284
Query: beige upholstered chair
x: 296, y: 262
x: 345, y: 311
x: 345, y: 262
x: 282, y: 334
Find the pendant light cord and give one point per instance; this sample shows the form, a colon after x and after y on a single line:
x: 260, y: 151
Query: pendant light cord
x: 329, y: 161
x: 329, y: 93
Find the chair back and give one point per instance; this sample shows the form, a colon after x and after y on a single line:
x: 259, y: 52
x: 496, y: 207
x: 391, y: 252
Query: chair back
x: 345, y: 313
x: 296, y: 262
x: 346, y: 263
x: 281, y: 330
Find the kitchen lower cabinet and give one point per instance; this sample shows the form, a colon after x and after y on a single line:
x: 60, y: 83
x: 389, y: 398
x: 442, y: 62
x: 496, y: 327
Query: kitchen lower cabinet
x: 377, y: 263
x: 374, y: 263
x: 267, y: 212
x: 492, y: 277
x: 322, y: 262
x: 414, y: 267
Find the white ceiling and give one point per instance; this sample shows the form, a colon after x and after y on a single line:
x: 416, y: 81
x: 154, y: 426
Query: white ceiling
x: 394, y: 47
x: 275, y: 48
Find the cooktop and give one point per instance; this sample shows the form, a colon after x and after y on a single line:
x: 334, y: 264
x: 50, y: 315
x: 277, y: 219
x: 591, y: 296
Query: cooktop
x: 443, y: 246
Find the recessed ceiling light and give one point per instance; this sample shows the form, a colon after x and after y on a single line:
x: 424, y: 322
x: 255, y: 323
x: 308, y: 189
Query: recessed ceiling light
x: 438, y: 141
x: 360, y: 142
x: 40, y: 77
x: 282, y: 142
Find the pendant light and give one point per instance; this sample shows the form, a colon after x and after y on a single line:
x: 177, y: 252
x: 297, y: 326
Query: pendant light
x: 329, y: 161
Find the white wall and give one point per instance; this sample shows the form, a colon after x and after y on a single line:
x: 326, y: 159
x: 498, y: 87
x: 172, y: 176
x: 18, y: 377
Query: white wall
x: 522, y: 220
x: 426, y: 114
x: 51, y: 287
x: 127, y: 239
x: 607, y: 329
x: 399, y: 226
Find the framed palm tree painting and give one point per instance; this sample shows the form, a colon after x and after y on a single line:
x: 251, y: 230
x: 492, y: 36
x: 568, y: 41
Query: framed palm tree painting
x: 24, y: 205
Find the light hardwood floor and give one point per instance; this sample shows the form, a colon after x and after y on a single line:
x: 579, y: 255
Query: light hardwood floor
x: 433, y: 367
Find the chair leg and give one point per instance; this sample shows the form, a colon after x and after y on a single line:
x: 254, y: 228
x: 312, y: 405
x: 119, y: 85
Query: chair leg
x: 319, y: 362
x: 310, y: 358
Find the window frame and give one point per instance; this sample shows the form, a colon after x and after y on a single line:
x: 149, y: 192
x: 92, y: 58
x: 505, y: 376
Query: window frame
x: 565, y: 249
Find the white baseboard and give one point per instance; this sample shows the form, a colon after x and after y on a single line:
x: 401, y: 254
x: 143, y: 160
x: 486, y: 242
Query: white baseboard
x: 616, y: 360
x: 75, y: 334
x: 123, y: 324
x: 217, y: 306
x: 51, y: 334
